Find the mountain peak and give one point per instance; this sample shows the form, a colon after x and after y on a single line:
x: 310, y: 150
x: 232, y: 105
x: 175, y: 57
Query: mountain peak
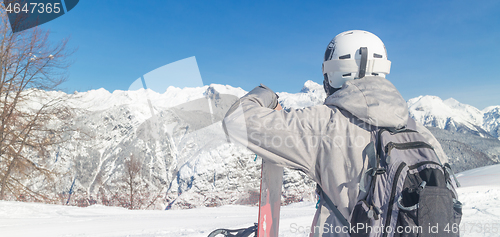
x: 452, y: 102
x: 492, y: 108
x: 311, y: 86
x: 450, y: 114
x: 427, y: 98
x: 227, y: 89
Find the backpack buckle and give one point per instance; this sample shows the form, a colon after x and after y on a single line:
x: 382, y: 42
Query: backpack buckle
x: 374, y: 212
x: 379, y: 171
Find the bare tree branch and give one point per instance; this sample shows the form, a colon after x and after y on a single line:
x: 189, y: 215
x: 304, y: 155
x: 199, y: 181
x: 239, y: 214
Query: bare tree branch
x: 30, y: 67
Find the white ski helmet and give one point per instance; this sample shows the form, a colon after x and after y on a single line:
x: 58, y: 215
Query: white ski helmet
x: 352, y: 55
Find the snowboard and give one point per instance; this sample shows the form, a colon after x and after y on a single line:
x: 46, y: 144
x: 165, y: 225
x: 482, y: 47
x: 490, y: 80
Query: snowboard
x: 269, y: 206
x: 270, y: 199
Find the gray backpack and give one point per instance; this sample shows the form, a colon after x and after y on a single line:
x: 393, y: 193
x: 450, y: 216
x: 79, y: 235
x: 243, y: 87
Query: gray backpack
x: 406, y: 191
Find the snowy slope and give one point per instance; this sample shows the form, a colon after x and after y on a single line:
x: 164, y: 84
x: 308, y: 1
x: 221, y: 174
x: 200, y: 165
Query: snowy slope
x: 32, y: 219
x: 479, y: 194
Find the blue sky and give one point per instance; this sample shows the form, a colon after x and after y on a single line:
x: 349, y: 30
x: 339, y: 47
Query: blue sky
x: 443, y: 48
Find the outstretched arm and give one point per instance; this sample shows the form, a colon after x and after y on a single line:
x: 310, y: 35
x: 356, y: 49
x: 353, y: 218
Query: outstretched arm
x: 290, y: 139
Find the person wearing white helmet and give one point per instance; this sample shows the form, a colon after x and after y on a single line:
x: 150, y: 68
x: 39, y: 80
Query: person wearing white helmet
x: 353, y: 55
x: 328, y: 141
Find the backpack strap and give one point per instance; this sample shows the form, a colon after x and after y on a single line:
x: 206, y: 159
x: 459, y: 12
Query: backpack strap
x: 332, y: 207
x: 372, y: 166
x: 373, y: 162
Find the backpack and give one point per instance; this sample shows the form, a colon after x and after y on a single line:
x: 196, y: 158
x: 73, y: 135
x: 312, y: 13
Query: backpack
x: 405, y: 191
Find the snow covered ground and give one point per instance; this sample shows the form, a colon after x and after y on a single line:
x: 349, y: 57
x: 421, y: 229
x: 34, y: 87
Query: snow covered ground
x: 480, y: 195
x: 33, y: 219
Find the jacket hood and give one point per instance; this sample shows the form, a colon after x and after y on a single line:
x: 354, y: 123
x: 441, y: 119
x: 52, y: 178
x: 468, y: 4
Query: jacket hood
x: 374, y: 100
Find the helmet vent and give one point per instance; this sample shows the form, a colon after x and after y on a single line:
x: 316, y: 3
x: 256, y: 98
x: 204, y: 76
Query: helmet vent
x: 377, y: 55
x: 345, y: 56
x: 346, y: 75
x: 329, y: 51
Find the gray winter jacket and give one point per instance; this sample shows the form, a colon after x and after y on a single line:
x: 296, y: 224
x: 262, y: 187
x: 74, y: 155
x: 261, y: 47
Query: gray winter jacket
x: 325, y: 141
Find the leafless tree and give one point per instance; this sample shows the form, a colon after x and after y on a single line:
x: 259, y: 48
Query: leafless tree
x: 133, y: 182
x: 31, y: 112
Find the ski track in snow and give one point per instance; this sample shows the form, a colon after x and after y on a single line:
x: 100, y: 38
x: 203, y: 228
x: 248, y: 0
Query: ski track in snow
x: 480, y: 195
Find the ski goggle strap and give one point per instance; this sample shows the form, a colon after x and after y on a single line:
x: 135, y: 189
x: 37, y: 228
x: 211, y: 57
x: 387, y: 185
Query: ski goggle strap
x: 346, y: 65
x: 364, y: 57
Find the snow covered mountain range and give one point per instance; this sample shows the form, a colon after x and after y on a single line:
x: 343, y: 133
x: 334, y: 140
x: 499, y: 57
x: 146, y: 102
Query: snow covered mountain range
x: 452, y: 115
x: 186, y: 160
x: 431, y: 111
